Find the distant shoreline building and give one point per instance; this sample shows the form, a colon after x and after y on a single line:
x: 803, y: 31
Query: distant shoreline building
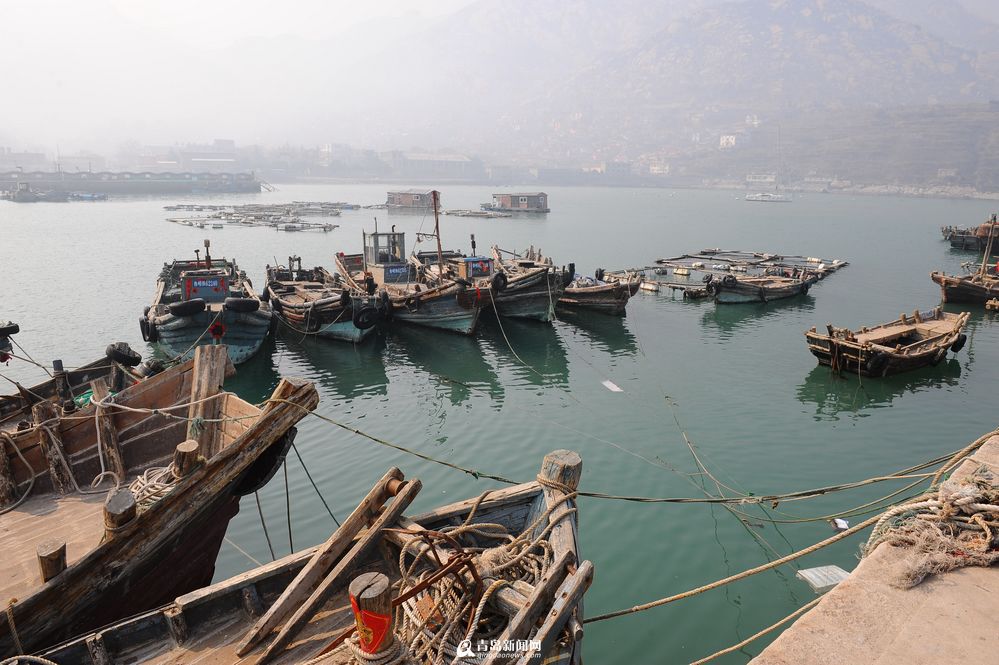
x: 518, y: 202
x: 126, y: 182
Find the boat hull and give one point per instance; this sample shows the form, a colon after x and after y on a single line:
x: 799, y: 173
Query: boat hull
x: 744, y: 293
x: 244, y: 332
x: 532, y: 296
x: 966, y: 289
x: 865, y: 361
x: 606, y: 298
x: 448, y: 311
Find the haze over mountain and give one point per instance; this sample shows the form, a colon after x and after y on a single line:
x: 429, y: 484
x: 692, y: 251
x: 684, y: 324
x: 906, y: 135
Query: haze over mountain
x: 540, y: 81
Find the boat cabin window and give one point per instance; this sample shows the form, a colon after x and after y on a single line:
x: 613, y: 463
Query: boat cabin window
x: 385, y: 248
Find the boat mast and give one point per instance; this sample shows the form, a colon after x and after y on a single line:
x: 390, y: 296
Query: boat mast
x: 437, y: 231
x: 988, y: 250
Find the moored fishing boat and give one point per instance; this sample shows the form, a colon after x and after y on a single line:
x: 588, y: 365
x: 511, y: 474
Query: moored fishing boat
x: 205, y: 301
x: 174, y: 489
x: 742, y: 289
x: 444, y: 586
x: 593, y: 293
x: 907, y: 343
x: 978, y: 287
x: 630, y: 277
x: 317, y: 302
x: 408, y: 291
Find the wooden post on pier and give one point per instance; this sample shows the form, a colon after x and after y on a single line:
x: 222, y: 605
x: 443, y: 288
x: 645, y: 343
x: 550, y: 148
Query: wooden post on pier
x: 119, y: 510
x: 371, y: 602
x: 50, y: 441
x: 51, y: 558
x: 107, y: 431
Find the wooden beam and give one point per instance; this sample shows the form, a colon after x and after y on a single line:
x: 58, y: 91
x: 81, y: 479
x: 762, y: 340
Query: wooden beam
x: 209, y: 374
x: 520, y: 625
x: 8, y: 488
x: 326, y: 555
x: 566, y: 598
x: 50, y: 440
x: 335, y: 578
x: 107, y: 431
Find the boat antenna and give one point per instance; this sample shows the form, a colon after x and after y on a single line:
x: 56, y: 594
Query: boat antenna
x: 437, y: 230
x: 473, y: 244
x: 208, y: 257
x: 376, y: 225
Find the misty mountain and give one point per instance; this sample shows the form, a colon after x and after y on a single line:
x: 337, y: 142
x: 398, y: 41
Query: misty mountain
x: 954, y: 21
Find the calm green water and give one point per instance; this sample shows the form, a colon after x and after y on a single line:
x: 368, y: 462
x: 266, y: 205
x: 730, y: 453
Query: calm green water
x: 763, y: 416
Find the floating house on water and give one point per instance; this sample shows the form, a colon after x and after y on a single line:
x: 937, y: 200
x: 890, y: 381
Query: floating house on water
x: 518, y: 202
x: 415, y: 199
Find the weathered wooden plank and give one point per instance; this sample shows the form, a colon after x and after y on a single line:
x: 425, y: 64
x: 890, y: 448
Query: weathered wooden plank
x: 107, y: 431
x: 50, y: 440
x: 8, y: 488
x: 326, y: 555
x: 51, y: 558
x: 522, y: 493
x: 566, y: 598
x: 326, y: 588
x: 544, y: 592
x: 209, y: 374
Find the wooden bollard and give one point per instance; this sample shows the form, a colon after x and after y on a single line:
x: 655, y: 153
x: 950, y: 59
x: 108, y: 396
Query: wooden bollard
x: 185, y: 457
x: 371, y: 602
x: 51, y: 558
x: 564, y: 467
x: 119, y: 510
x: 50, y: 442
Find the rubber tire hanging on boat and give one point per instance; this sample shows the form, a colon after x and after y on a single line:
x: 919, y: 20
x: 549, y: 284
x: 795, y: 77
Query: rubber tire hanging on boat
x: 242, y: 305
x: 9, y: 328
x: 413, y: 304
x: 728, y: 280
x: 569, y: 276
x: 804, y: 288
x: 385, y: 303
x: 498, y: 282
x: 344, y: 299
x: 959, y: 343
x: 187, y: 307
x: 366, y: 317
x: 599, y: 274
x: 707, y: 278
x: 123, y: 354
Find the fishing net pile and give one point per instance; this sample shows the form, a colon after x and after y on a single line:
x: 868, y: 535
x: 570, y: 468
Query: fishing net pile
x: 957, y: 527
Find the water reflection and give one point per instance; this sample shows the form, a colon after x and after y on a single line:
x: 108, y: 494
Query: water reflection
x: 730, y: 319
x: 833, y: 395
x: 535, y: 343
x: 603, y: 331
x: 256, y: 378
x: 348, y: 370
x: 456, y: 360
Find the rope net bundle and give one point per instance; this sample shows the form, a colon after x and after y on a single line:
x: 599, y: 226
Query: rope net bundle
x: 430, y: 626
x: 957, y: 527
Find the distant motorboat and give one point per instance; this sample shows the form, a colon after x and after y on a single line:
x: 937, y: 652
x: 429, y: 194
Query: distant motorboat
x: 769, y: 197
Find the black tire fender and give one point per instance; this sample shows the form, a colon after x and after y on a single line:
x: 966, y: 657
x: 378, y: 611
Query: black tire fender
x: 144, y: 328
x: 242, y: 305
x: 599, y: 274
x: 123, y: 354
x: 366, y: 317
x: 413, y: 304
x: 344, y: 298
x: 959, y: 343
x: 804, y: 288
x: 9, y: 328
x: 187, y: 307
x: 729, y: 280
x: 707, y: 278
x: 498, y: 282
x: 570, y: 274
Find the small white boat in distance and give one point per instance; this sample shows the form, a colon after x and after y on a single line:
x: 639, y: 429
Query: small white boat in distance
x: 769, y: 197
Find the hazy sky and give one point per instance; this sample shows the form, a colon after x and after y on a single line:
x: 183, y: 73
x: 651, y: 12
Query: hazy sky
x: 91, y: 73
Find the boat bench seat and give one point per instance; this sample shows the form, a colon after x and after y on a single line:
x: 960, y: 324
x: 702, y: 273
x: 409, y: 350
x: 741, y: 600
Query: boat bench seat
x: 885, y: 334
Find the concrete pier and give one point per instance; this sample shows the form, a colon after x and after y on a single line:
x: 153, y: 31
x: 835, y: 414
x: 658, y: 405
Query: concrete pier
x: 948, y: 618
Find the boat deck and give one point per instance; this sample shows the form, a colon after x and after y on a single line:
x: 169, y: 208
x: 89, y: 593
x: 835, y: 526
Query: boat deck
x: 899, y: 330
x: 75, y: 518
x: 302, y: 293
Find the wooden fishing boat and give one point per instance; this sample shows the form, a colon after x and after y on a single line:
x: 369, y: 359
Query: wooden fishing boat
x: 70, y: 388
x: 630, y: 277
x: 205, y: 302
x: 158, y: 532
x: 408, y: 291
x: 978, y: 287
x: 593, y: 293
x: 381, y: 575
x: 908, y: 343
x: 742, y: 289
x: 317, y: 302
